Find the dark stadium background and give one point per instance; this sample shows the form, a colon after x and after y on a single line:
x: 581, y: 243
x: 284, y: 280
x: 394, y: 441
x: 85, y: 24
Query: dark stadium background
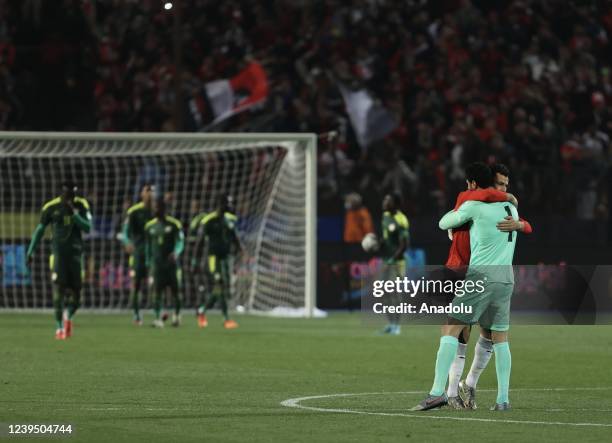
x: 525, y: 83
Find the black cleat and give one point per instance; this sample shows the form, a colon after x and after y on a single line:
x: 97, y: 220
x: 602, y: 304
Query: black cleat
x: 431, y: 402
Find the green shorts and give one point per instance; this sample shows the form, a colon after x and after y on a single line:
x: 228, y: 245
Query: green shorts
x: 390, y: 272
x: 138, y: 265
x: 167, y: 276
x: 218, y: 270
x: 67, y: 271
x: 393, y: 270
x: 490, y: 308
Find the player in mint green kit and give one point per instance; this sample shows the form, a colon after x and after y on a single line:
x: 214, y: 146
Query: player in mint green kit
x: 491, y: 263
x: 69, y: 217
x: 134, y: 241
x: 165, y: 242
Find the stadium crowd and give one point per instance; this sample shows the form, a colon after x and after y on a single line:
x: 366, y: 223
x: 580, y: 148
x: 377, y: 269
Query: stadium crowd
x: 523, y: 82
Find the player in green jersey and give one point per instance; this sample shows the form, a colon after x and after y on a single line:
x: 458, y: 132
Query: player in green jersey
x: 69, y: 217
x: 194, y: 225
x: 490, y: 269
x: 219, y: 233
x: 164, y: 244
x: 197, y: 281
x: 394, y: 242
x: 133, y: 239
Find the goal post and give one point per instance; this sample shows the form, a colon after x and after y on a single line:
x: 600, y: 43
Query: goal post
x: 271, y: 176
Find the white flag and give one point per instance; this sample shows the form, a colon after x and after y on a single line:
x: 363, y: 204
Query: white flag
x: 370, y: 119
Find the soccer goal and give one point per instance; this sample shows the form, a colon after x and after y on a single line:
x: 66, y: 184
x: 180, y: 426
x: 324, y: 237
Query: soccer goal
x: 271, y: 177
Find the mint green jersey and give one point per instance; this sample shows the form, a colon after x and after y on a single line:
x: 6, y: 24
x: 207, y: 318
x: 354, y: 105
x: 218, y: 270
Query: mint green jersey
x: 492, y: 251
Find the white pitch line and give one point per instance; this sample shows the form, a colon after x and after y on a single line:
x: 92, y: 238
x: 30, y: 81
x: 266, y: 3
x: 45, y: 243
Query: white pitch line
x: 574, y: 410
x: 296, y: 403
x: 127, y: 409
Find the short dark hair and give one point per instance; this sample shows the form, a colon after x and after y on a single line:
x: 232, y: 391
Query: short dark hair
x: 500, y: 168
x: 69, y: 185
x: 480, y: 173
x: 395, y: 198
x: 160, y: 203
x: 225, y: 200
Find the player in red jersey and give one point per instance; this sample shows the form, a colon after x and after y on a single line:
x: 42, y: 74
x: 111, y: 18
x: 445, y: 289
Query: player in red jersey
x: 458, y: 259
x: 459, y: 254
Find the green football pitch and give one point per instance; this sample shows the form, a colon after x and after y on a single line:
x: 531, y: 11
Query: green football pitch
x: 294, y: 380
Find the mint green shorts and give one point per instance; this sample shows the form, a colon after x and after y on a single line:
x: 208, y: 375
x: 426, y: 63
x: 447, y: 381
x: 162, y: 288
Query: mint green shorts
x: 490, y: 308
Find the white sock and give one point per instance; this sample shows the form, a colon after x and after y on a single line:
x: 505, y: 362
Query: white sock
x: 482, y: 355
x: 456, y: 370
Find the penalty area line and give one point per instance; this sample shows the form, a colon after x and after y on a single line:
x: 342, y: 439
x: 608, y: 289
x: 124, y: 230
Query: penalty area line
x: 297, y: 403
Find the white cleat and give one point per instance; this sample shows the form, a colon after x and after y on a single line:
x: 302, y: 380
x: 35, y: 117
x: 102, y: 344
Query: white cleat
x: 158, y: 324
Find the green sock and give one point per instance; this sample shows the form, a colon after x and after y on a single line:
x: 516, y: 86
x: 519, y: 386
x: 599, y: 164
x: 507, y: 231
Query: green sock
x: 211, y: 302
x: 177, y: 304
x: 58, y: 305
x: 503, y: 365
x: 135, y: 298
x: 224, y: 307
x: 444, y: 360
x: 73, y: 304
x: 157, y: 306
x: 59, y: 320
x: 202, y: 300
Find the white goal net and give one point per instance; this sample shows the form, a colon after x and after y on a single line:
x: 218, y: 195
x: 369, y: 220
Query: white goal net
x: 271, y: 178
